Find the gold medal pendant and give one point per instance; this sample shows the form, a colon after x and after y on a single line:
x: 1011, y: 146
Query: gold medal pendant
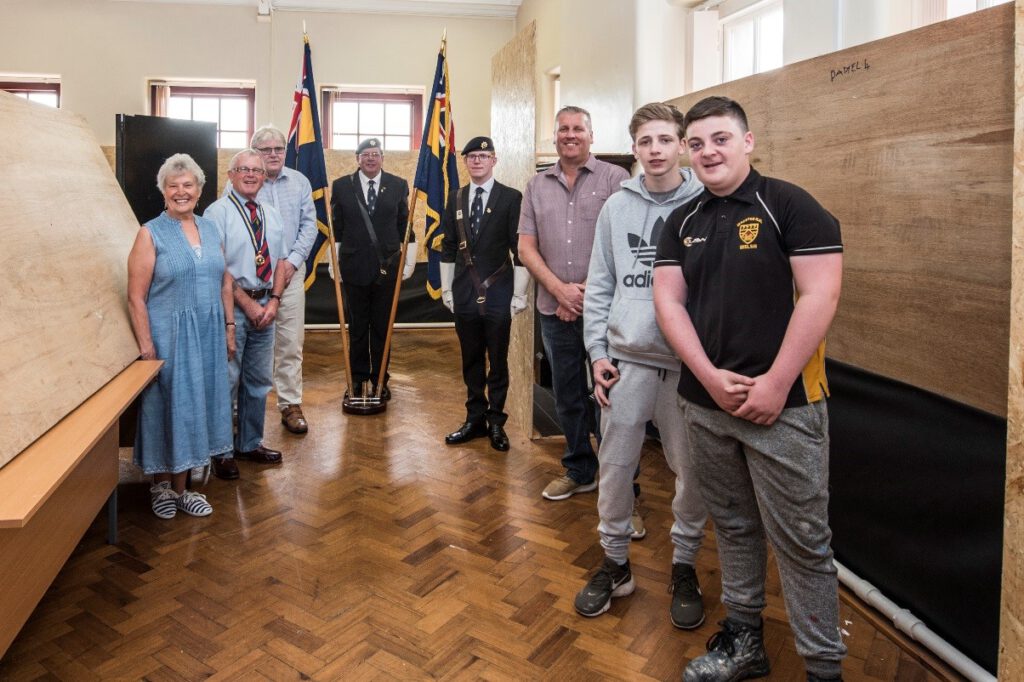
x: 260, y: 260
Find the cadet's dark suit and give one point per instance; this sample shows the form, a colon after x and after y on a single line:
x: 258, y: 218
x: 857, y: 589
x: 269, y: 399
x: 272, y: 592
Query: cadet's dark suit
x: 368, y: 296
x: 484, y: 337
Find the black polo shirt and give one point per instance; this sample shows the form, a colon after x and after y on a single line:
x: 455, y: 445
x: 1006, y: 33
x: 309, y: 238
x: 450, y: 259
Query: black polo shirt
x: 735, y: 253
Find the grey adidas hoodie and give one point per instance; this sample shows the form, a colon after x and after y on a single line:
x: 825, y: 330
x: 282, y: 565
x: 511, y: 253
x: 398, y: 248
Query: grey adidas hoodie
x: 618, y: 303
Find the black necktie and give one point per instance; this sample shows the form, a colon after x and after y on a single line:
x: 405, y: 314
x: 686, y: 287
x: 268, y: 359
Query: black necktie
x: 371, y: 198
x: 264, y: 269
x: 476, y: 212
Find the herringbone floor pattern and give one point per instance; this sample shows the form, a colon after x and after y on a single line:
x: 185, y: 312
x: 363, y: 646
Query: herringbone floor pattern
x: 376, y: 552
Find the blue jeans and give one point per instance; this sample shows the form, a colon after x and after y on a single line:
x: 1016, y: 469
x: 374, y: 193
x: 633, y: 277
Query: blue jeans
x: 251, y: 377
x: 563, y: 344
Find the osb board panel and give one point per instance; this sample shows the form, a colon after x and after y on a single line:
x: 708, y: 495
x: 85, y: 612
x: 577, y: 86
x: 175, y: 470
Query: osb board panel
x: 67, y: 230
x: 907, y: 141
x: 1011, y: 621
x: 513, y: 100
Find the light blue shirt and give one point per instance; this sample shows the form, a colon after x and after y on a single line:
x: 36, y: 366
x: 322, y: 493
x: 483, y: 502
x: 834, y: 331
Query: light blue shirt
x: 239, y: 254
x: 292, y: 195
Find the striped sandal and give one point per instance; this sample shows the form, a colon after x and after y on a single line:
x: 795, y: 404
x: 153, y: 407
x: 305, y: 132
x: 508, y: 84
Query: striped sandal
x: 194, y: 504
x: 164, y: 500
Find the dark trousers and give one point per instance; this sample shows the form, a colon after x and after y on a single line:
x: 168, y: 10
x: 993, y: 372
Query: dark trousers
x: 484, y: 343
x: 563, y: 344
x: 369, y: 310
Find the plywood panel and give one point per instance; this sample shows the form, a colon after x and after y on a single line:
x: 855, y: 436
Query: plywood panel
x: 513, y: 101
x: 907, y: 141
x: 67, y: 230
x: 1011, y: 621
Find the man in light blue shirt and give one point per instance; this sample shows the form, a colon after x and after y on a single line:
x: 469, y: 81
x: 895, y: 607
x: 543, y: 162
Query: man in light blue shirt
x: 252, y: 234
x: 290, y: 193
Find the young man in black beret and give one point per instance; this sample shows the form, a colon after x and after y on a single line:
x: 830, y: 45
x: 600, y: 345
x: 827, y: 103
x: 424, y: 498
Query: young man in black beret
x: 484, y: 285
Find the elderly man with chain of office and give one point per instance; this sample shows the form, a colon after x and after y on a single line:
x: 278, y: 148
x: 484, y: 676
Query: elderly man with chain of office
x: 252, y: 235
x: 290, y: 193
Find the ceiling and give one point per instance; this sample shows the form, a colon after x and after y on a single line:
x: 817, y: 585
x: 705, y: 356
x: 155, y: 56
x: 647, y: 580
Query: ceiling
x: 505, y: 9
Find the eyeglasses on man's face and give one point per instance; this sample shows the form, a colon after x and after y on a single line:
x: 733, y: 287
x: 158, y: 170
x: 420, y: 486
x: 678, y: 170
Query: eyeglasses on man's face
x: 245, y: 170
x: 477, y: 158
x: 370, y: 155
x: 270, y: 150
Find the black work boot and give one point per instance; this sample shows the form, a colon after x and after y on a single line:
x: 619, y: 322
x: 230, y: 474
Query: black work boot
x: 736, y: 652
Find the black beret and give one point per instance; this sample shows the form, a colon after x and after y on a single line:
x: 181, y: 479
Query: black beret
x: 371, y: 143
x: 478, y: 144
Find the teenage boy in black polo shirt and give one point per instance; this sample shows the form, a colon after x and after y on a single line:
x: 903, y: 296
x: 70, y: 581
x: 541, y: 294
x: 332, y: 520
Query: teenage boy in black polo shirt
x: 746, y: 284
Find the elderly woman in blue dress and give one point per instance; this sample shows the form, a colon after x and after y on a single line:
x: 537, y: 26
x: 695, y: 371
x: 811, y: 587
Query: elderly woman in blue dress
x: 180, y: 303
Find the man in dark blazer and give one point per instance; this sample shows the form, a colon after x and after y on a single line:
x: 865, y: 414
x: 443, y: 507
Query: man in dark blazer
x: 483, y: 284
x: 370, y: 209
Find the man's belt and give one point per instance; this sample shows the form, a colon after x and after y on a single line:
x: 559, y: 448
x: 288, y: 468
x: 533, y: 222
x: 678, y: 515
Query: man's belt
x: 256, y: 294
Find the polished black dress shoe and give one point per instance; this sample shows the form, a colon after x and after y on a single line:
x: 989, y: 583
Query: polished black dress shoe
x: 260, y: 454
x: 385, y: 395
x: 499, y: 440
x: 466, y: 433
x: 224, y: 468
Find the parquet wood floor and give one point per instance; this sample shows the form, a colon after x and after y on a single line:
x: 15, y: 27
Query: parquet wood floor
x: 377, y: 552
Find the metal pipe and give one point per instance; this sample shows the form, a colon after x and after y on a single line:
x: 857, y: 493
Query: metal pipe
x: 912, y: 626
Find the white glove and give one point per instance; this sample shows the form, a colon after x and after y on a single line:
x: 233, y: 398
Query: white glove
x: 519, y: 292
x: 447, y: 276
x: 410, y: 261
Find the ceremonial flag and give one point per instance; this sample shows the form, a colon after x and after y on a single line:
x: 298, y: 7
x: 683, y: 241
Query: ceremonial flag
x: 306, y: 155
x: 437, y: 171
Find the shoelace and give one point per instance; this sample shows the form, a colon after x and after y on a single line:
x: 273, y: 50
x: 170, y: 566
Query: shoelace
x: 686, y: 582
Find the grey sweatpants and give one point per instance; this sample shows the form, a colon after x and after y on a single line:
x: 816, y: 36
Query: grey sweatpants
x: 641, y: 394
x: 772, y: 481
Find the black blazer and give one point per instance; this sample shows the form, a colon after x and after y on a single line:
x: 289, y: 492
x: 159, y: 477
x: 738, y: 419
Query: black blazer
x: 358, y: 256
x: 497, y: 239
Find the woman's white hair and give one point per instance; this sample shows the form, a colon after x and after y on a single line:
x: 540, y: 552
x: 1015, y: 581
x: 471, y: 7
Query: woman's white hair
x: 176, y: 165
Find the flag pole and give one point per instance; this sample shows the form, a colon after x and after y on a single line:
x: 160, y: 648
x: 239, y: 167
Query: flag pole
x: 401, y: 265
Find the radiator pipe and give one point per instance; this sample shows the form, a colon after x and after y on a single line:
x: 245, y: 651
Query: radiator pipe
x: 912, y: 626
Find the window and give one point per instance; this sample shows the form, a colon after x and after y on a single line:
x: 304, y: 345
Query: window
x: 231, y: 108
x: 41, y: 92
x: 351, y: 117
x: 752, y: 41
x: 956, y: 8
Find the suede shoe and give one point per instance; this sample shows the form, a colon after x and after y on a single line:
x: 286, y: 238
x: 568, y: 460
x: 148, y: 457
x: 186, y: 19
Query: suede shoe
x: 499, y: 439
x: 610, y: 580
x: 466, y: 433
x: 736, y: 652
x: 637, y: 529
x: 261, y: 455
x: 687, y: 607
x: 565, y: 486
x: 294, y: 420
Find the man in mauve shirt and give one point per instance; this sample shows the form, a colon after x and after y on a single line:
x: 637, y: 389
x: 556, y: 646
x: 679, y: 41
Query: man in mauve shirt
x: 556, y: 235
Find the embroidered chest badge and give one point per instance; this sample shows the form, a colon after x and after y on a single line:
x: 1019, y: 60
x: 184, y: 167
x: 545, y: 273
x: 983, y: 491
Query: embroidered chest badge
x: 749, y: 227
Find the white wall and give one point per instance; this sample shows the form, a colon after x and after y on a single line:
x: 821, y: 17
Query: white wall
x: 105, y: 52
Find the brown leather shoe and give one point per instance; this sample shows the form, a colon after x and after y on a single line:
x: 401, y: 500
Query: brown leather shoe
x: 293, y: 419
x: 224, y: 468
x: 261, y: 454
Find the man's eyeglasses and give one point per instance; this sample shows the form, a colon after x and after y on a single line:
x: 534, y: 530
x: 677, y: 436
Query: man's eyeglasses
x: 370, y: 155
x: 270, y: 150
x: 479, y: 157
x: 245, y: 170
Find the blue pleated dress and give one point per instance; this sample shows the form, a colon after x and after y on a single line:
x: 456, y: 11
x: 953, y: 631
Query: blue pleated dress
x: 185, y: 415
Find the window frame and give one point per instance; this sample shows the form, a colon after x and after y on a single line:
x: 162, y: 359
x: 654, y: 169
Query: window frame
x: 330, y: 95
x: 246, y: 92
x: 20, y: 87
x: 752, y: 15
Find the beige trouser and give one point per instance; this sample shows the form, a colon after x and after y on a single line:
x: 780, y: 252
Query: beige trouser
x: 291, y: 319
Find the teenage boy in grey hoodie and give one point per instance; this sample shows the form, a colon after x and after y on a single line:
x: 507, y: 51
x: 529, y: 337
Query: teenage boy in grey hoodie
x: 629, y: 353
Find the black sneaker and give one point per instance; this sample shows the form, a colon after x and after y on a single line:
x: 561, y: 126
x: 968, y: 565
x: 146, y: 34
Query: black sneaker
x: 611, y: 580
x: 687, y: 607
x: 736, y: 652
